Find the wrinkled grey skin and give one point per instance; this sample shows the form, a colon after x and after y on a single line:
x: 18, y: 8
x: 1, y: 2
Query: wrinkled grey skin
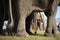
x: 25, y: 7
x: 22, y: 10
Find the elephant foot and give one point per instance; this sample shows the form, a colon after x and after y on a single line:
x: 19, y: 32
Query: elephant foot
x: 22, y: 34
x: 46, y: 34
x: 57, y: 34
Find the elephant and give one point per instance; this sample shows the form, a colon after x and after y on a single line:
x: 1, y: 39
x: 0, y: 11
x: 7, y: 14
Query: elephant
x: 22, y: 9
x: 26, y: 7
x: 38, y: 18
x: 51, y: 29
x: 10, y: 20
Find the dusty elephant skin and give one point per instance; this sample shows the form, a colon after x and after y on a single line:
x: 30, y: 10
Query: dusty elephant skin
x: 22, y: 9
x: 25, y: 7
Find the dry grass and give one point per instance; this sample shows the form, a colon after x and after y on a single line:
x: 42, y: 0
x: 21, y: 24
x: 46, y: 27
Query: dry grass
x: 38, y: 36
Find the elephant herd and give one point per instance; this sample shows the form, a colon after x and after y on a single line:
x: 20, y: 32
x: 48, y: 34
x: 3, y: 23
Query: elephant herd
x: 19, y: 14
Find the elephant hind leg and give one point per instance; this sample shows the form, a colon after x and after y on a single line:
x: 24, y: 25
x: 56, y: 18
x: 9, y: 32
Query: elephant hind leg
x: 21, y: 32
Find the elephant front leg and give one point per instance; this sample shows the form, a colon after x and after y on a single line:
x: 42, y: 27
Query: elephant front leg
x: 55, y: 30
x: 51, y: 21
x: 21, y: 31
x: 51, y: 29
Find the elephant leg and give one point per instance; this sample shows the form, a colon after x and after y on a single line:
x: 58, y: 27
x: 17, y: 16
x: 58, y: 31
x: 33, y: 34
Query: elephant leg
x: 11, y: 22
x: 54, y: 30
x: 48, y: 31
x: 51, y: 29
x: 21, y: 31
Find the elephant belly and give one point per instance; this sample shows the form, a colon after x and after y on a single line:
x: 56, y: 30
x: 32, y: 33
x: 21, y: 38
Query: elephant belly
x: 32, y: 5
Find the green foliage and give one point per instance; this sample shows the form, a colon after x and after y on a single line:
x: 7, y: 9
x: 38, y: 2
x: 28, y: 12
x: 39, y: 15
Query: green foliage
x: 38, y: 36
